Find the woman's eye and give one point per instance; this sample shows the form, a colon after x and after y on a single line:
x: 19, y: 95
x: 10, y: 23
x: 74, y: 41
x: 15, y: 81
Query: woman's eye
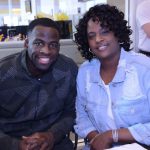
x: 105, y: 31
x: 91, y: 36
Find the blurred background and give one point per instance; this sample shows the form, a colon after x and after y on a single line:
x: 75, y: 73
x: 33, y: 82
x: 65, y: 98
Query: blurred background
x: 15, y: 16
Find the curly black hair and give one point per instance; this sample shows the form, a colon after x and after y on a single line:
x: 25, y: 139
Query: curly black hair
x: 110, y: 17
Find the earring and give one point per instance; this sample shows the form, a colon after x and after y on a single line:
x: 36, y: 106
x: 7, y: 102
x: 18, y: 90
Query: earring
x: 90, y: 51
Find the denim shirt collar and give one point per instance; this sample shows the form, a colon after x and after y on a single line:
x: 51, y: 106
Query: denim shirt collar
x: 122, y: 67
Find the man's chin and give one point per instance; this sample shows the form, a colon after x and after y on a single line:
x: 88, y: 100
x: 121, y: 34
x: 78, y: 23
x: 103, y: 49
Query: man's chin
x: 43, y: 69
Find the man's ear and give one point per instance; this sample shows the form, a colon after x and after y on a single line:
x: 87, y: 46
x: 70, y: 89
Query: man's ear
x: 26, y: 43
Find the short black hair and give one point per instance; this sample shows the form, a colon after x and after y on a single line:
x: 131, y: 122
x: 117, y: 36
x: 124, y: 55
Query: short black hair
x: 110, y: 17
x: 43, y: 22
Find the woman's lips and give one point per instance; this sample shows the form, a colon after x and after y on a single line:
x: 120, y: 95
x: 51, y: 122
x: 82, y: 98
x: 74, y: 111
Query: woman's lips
x: 101, y: 48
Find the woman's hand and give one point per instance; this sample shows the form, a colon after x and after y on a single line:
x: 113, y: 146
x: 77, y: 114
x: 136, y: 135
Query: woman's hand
x: 102, y: 141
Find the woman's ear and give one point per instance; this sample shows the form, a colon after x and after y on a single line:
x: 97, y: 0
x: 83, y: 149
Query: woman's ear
x: 26, y: 43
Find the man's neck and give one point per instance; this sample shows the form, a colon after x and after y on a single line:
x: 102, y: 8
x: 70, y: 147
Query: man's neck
x: 32, y: 68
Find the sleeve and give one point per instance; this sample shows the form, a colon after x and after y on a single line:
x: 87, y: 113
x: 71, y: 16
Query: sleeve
x: 7, y: 142
x: 141, y: 131
x: 83, y: 124
x: 65, y: 124
x: 142, y: 13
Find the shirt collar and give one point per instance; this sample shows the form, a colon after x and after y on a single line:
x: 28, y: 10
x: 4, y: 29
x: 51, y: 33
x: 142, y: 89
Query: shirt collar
x: 121, y: 69
x: 23, y: 60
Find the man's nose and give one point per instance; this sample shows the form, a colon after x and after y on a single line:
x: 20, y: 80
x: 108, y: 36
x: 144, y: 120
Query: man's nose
x: 46, y: 49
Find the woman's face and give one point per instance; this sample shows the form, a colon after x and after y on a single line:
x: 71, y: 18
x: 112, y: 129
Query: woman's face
x: 102, y: 42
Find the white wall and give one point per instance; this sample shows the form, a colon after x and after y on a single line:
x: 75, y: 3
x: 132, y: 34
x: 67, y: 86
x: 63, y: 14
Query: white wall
x: 94, y: 2
x: 47, y: 6
x: 68, y: 6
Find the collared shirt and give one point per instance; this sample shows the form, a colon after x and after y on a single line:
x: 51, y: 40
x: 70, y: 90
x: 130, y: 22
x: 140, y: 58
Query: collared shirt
x: 129, y: 92
x: 29, y: 104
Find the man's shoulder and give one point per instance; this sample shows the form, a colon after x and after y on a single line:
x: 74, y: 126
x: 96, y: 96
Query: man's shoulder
x: 64, y: 60
x: 8, y: 59
x: 65, y: 63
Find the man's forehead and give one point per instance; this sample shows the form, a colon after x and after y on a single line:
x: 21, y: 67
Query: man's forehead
x: 45, y: 31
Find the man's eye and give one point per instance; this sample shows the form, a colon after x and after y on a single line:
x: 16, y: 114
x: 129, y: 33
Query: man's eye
x: 54, y: 45
x: 38, y: 43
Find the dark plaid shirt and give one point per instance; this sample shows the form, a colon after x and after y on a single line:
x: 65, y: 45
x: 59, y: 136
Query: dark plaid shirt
x: 29, y: 104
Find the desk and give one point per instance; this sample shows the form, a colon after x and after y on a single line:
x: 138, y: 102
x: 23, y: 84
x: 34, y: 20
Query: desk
x: 133, y: 146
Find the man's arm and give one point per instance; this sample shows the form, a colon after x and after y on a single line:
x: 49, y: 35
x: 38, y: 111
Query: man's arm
x: 8, y: 143
x: 65, y: 124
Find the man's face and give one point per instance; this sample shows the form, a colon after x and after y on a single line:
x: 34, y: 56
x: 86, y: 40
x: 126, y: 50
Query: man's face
x: 43, y: 46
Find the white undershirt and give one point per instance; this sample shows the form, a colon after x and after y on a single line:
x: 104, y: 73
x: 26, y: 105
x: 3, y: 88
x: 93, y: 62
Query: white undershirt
x: 110, y: 121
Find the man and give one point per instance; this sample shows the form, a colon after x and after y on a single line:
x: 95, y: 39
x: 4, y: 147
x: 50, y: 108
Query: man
x: 143, y: 24
x: 37, y: 93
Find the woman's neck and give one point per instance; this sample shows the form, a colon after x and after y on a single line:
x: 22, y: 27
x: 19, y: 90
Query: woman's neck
x: 108, y: 68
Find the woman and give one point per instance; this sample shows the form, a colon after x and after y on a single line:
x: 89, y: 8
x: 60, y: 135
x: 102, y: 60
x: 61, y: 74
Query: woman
x: 113, y: 85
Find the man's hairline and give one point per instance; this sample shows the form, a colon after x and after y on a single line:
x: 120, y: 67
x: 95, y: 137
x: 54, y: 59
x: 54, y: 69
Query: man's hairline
x: 30, y: 31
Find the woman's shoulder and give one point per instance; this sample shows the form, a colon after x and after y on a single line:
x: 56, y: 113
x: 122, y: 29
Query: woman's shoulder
x: 139, y: 59
x: 89, y: 64
x: 88, y: 67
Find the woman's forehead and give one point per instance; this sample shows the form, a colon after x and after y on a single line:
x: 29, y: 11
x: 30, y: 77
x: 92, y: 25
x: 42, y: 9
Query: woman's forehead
x: 91, y: 24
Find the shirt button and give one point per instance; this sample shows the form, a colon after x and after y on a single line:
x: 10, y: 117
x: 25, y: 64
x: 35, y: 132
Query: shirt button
x: 39, y: 79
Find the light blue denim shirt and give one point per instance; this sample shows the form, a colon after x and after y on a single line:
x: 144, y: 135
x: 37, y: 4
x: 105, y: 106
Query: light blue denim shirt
x: 130, y: 96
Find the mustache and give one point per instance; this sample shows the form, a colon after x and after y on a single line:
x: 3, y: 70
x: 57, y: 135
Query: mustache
x: 41, y: 53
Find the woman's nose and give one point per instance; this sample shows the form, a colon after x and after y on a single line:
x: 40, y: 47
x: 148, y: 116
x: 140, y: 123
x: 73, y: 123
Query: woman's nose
x: 99, y: 38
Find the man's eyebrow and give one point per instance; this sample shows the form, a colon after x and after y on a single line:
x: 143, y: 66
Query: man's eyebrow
x: 38, y: 40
